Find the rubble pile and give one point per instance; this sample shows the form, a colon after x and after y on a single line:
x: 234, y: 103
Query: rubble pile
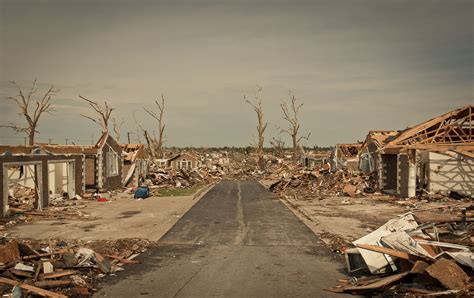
x: 160, y: 177
x: 295, y: 180
x: 165, y: 178
x: 422, y: 200
x: 414, y: 255
x: 55, y: 268
x: 20, y: 196
x: 51, y: 213
x: 21, y: 206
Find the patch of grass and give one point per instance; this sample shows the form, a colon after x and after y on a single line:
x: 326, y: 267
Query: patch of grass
x: 177, y: 192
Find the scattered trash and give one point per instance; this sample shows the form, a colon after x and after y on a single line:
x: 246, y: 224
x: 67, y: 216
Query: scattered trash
x: 68, y: 269
x: 407, y: 256
x: 142, y: 192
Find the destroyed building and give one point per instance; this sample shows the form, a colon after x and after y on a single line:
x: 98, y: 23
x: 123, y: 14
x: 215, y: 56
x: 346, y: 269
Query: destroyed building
x: 346, y: 156
x: 135, y: 164
x: 368, y: 154
x: 44, y: 173
x: 436, y: 156
x: 314, y: 160
x: 60, y: 169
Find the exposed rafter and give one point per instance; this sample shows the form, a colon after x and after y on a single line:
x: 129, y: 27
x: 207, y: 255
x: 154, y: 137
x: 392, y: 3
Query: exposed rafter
x: 451, y: 128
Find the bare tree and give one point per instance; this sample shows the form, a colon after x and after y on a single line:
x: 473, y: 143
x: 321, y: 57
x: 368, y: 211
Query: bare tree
x: 31, y: 109
x: 290, y: 114
x: 261, y: 126
x: 104, y: 112
x: 161, y: 127
x: 117, y: 127
x: 150, y: 140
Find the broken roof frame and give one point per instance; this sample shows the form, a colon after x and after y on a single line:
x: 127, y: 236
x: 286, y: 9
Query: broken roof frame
x: 452, y: 128
x: 346, y: 149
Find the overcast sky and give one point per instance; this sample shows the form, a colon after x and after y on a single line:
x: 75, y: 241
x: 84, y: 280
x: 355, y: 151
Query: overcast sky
x: 356, y: 65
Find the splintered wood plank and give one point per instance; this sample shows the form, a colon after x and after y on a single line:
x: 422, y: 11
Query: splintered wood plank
x: 57, y: 274
x: 52, y: 283
x: 385, y: 250
x: 21, y: 273
x: 378, y: 284
x: 470, y: 123
x: 57, y: 252
x: 30, y: 288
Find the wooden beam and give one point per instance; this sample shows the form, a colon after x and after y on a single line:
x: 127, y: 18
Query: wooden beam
x: 385, y: 250
x: 57, y: 274
x: 416, y: 130
x: 470, y: 123
x: 57, y: 252
x: 30, y: 288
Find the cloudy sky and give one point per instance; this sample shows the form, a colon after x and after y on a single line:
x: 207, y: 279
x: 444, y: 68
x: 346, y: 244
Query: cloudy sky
x: 356, y: 65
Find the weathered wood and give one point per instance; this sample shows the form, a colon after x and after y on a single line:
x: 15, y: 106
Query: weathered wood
x: 38, y: 270
x: 30, y: 288
x: 449, y: 274
x: 104, y: 264
x: 419, y: 267
x: 9, y: 252
x: 385, y: 250
x: 57, y: 252
x: 378, y: 284
x: 123, y: 260
x: 52, y: 283
x: 21, y: 273
x: 57, y: 274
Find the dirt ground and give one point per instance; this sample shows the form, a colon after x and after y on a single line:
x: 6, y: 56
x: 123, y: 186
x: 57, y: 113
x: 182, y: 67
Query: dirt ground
x: 122, y: 217
x: 340, y: 220
x: 349, y: 218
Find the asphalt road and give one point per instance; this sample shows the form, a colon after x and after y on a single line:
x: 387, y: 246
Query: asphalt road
x: 239, y: 240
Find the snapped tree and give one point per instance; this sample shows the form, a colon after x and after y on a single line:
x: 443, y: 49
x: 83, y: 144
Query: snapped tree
x: 150, y: 140
x: 290, y: 114
x: 261, y: 125
x: 31, y: 109
x: 158, y: 116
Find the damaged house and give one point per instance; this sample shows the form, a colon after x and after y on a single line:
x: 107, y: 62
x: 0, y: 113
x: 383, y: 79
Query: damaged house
x: 346, y: 156
x: 33, y: 175
x: 315, y: 160
x: 436, y: 156
x: 103, y: 162
x: 369, y: 161
x: 135, y: 164
x: 64, y: 170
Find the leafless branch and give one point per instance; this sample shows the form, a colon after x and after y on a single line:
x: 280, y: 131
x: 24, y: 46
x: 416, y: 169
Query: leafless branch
x: 31, y: 114
x: 158, y: 116
x: 151, y: 142
x: 103, y: 113
x: 261, y: 124
x: 290, y: 114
